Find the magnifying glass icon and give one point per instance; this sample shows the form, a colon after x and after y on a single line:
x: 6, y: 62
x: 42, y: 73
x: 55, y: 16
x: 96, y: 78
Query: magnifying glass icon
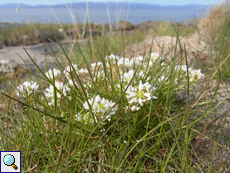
x: 9, y: 160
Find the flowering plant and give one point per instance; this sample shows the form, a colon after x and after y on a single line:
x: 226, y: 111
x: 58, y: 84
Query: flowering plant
x: 116, y: 104
x: 134, y: 76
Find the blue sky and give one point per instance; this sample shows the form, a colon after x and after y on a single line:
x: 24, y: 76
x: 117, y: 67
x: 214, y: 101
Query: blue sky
x: 160, y: 2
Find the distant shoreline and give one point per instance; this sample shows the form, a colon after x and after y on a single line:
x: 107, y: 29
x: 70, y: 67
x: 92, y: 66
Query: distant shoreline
x: 10, y: 25
x: 100, y: 13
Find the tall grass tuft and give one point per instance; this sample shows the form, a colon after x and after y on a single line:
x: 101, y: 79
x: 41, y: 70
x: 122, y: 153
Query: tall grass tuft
x: 114, y: 114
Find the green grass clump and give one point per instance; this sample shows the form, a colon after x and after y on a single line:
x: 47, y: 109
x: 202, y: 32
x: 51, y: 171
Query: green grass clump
x: 113, y: 115
x: 34, y: 33
x: 25, y: 34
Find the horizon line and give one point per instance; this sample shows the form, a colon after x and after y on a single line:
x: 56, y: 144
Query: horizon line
x: 146, y: 3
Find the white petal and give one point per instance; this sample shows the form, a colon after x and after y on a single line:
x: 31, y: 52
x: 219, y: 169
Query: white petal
x: 134, y: 100
x: 86, y: 106
x: 154, y: 97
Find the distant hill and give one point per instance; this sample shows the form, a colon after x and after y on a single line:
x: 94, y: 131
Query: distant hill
x: 14, y: 5
x: 98, y: 12
x: 109, y: 5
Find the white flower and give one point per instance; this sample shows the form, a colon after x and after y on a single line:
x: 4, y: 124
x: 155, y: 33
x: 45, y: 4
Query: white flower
x: 101, y: 106
x: 69, y: 69
x: 161, y: 79
x: 163, y: 64
x: 99, y: 74
x: 26, y: 88
x: 124, y: 61
x: 71, y: 83
x: 135, y: 108
x: 51, y: 102
x: 155, y: 56
x: 82, y: 70
x: 138, y: 95
x: 148, y: 65
x: 133, y: 100
x: 112, y: 58
x: 195, y: 75
x: 59, y: 86
x: 141, y: 74
x: 182, y: 68
x: 98, y: 64
x: 136, y: 60
x: 118, y: 86
x: 53, y: 73
x: 80, y: 117
x: 129, y: 75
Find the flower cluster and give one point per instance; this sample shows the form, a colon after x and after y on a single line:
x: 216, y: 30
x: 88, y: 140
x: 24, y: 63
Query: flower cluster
x: 61, y: 89
x: 101, y: 107
x: 155, y: 57
x: 53, y: 74
x: 110, y: 77
x: 69, y: 70
x: 96, y: 65
x: 130, y: 74
x: 138, y: 95
x: 193, y: 74
x: 113, y: 59
x: 26, y: 88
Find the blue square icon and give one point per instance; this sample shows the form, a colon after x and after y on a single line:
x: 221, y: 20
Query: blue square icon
x: 10, y: 161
